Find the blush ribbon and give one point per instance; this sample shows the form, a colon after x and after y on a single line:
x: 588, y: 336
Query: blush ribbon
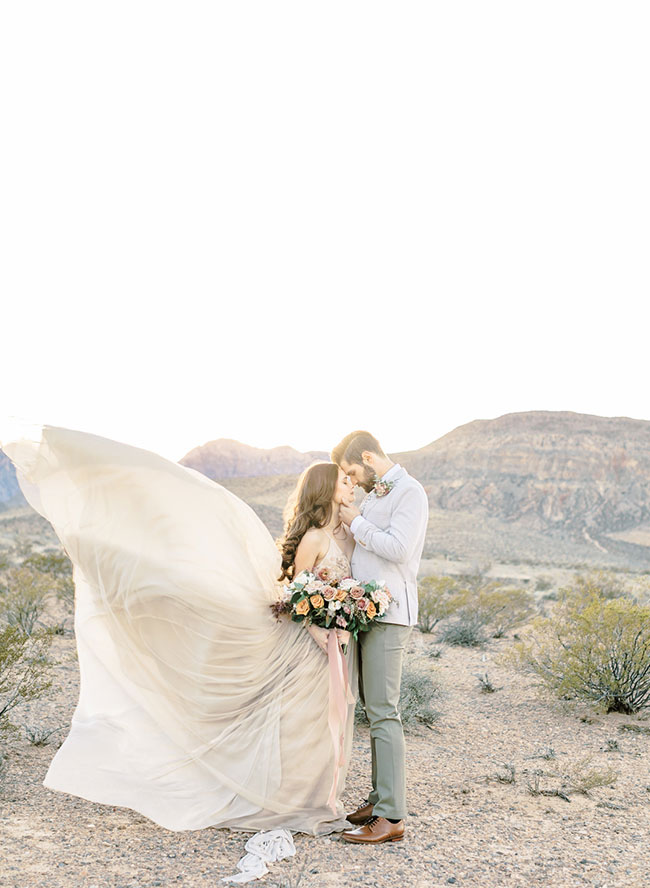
x: 340, y: 695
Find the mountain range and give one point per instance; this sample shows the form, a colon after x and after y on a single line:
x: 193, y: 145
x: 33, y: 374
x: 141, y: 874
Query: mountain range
x: 557, y: 486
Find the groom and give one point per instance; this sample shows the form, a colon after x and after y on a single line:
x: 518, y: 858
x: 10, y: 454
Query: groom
x: 389, y: 532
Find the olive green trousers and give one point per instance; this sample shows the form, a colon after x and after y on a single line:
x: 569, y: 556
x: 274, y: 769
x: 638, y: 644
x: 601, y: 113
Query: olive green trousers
x: 381, y: 652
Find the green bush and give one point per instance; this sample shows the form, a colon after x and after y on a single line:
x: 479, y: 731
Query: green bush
x: 591, y: 648
x: 23, y: 596
x: 24, y: 670
x: 438, y: 598
x: 501, y: 608
x: 58, y: 567
x: 602, y: 583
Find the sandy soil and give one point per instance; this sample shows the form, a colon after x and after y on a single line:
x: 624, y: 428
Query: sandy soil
x: 465, y: 828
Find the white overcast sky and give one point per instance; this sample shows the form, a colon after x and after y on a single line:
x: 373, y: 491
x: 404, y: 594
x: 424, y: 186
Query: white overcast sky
x: 279, y: 222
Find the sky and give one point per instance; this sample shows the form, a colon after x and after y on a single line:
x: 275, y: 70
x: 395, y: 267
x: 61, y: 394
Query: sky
x: 279, y: 222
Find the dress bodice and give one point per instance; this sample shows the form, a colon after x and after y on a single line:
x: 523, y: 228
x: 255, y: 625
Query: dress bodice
x: 336, y: 559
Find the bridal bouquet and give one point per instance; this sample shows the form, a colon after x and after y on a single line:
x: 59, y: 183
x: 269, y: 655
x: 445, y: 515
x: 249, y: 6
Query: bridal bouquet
x: 331, y: 603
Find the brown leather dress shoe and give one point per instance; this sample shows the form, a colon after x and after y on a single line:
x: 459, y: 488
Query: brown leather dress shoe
x: 376, y: 830
x: 363, y: 813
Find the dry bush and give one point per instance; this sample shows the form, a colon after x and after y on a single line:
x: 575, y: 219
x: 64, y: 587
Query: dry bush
x: 418, y: 692
x: 23, y: 597
x: 58, y: 567
x: 501, y: 608
x: 574, y: 776
x: 488, y: 609
x: 591, y: 648
x: 602, y: 583
x: 466, y: 631
x: 438, y: 598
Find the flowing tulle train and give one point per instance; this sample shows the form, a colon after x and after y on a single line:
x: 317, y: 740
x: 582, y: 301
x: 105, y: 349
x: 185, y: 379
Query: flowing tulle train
x: 197, y: 708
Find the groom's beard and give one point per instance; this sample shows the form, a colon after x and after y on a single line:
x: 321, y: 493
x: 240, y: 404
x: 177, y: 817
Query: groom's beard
x: 368, y: 480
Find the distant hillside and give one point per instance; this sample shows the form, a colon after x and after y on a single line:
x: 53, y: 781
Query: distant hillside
x: 225, y: 458
x: 10, y: 493
x: 545, y: 470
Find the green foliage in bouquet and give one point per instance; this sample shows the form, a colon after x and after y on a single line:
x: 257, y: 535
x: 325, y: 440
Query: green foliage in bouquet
x: 331, y: 604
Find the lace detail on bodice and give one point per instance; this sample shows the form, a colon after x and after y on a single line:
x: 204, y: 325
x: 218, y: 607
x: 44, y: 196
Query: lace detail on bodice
x: 336, y: 559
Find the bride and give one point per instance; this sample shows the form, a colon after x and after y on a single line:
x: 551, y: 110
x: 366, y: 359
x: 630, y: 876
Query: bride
x: 197, y: 707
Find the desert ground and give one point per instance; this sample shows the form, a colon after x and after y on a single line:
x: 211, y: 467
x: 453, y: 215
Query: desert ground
x: 472, y: 818
x: 482, y: 778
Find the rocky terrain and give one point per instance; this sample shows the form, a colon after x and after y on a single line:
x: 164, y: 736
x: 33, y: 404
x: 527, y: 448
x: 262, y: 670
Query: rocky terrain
x: 543, y: 470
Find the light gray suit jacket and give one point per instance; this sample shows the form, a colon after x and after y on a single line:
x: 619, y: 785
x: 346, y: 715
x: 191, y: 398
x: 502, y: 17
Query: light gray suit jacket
x: 389, y: 539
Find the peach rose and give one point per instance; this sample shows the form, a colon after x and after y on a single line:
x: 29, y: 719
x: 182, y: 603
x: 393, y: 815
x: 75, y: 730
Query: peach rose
x: 316, y: 600
x: 356, y: 592
x: 371, y: 611
x: 328, y: 593
x: 341, y: 594
x: 302, y: 607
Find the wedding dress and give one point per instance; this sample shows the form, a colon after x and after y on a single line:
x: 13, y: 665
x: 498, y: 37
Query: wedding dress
x: 197, y: 707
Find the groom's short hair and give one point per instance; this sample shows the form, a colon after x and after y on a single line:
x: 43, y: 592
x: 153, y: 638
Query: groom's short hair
x: 353, y: 445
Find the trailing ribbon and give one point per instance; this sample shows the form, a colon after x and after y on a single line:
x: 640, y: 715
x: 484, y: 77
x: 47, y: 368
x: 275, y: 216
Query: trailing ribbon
x: 264, y: 847
x: 339, y: 697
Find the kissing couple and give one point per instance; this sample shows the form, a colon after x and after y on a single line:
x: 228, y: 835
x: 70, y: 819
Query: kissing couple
x: 198, y: 707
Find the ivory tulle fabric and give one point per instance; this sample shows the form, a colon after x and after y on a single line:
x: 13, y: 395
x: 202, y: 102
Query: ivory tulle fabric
x: 197, y: 708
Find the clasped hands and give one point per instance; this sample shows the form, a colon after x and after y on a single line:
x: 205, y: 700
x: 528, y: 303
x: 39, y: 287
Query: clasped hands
x: 320, y: 635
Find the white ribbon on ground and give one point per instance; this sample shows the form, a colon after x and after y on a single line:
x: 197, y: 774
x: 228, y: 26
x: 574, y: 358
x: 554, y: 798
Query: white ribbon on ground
x: 264, y: 847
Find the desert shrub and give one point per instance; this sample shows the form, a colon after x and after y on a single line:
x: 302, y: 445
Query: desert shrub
x: 418, y: 691
x: 572, y: 776
x: 24, y: 670
x: 543, y: 584
x: 438, y: 598
x: 591, y: 648
x: 501, y: 608
x: 602, y: 583
x: 58, y: 567
x: 476, y: 578
x: 480, y: 608
x: 417, y: 695
x: 486, y: 684
x: 23, y: 596
x: 39, y: 736
x: 467, y: 630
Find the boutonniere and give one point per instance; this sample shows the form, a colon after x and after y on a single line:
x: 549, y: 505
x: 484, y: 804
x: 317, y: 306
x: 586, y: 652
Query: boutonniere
x: 381, y: 488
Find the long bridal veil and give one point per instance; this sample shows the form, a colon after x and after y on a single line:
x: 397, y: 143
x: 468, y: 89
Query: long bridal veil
x: 197, y: 708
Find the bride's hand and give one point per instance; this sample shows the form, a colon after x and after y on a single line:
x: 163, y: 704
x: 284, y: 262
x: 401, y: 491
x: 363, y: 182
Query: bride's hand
x: 319, y: 635
x: 343, y: 636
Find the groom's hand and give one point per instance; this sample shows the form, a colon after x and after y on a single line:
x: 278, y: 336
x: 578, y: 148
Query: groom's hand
x: 347, y: 514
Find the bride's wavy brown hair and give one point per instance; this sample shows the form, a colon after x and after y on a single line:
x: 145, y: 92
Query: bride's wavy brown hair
x: 310, y: 505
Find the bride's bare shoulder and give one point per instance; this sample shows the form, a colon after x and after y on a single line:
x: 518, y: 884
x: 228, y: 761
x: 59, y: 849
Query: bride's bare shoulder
x: 315, y: 536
